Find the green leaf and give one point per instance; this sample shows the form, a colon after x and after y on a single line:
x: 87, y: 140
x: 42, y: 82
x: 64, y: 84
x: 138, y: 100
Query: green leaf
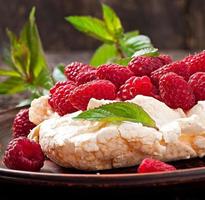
x: 13, y: 46
x: 118, y: 112
x: 30, y: 36
x: 123, y: 61
x: 112, y: 21
x: 131, y: 34
x: 9, y: 73
x: 58, y: 73
x: 20, y: 55
x: 44, y: 80
x: 6, y: 58
x: 147, y: 52
x: 24, y: 102
x: 91, y: 26
x: 12, y: 85
x: 103, y: 54
x: 132, y: 42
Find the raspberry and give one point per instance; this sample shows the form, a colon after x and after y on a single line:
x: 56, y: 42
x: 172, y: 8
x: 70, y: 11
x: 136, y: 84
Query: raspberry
x: 74, y: 68
x: 178, y: 67
x: 133, y: 86
x: 99, y: 89
x: 21, y: 124
x: 196, y: 62
x: 23, y: 154
x: 60, y: 83
x: 188, y: 58
x: 176, y: 92
x: 165, y: 59
x: 150, y: 165
x: 197, y: 83
x: 85, y: 77
x: 144, y: 65
x: 117, y: 74
x: 60, y: 101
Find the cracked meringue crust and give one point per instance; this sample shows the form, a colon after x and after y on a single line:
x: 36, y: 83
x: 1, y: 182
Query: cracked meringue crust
x: 89, y: 145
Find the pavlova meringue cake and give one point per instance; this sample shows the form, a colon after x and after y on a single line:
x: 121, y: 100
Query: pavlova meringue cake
x: 99, y: 145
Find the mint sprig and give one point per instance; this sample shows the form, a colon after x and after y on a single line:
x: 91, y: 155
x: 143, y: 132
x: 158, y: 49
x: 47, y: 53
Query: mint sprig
x: 118, y: 112
x: 117, y: 44
x: 27, y: 69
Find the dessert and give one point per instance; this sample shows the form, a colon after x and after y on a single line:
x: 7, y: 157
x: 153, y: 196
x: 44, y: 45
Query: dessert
x: 116, y: 116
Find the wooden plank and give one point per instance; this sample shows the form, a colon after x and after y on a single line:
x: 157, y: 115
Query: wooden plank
x: 196, y: 24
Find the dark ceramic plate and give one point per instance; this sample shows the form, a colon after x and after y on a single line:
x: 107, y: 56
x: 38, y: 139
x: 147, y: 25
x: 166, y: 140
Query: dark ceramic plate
x: 189, y: 171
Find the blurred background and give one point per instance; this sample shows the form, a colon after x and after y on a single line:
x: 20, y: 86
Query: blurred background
x: 171, y: 24
x: 176, y: 27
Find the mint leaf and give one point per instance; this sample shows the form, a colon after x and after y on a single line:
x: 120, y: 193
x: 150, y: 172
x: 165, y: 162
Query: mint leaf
x: 9, y: 73
x: 38, y: 68
x: 132, y: 42
x: 112, y: 21
x: 20, y: 55
x: 44, y: 80
x: 131, y: 34
x: 30, y: 36
x: 13, y: 45
x: 103, y: 54
x: 147, y: 52
x: 12, y: 85
x: 6, y: 58
x: 25, y: 102
x: 91, y: 26
x: 123, y: 61
x: 58, y: 73
x: 118, y: 112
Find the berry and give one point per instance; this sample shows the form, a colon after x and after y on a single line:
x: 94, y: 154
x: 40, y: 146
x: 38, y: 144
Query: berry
x: 117, y: 74
x: 21, y: 124
x: 196, y: 62
x: 85, y: 77
x: 133, y: 86
x: 178, y: 67
x: 23, y: 154
x: 197, y: 83
x: 99, y: 89
x: 176, y: 92
x: 60, y: 83
x: 60, y: 101
x: 144, y: 65
x: 151, y: 165
x: 74, y: 68
x: 165, y: 59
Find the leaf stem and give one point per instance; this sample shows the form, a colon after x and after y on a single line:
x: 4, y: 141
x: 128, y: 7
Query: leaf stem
x: 119, y: 50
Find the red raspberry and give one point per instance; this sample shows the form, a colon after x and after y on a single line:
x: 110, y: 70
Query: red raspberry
x: 60, y: 83
x: 196, y: 62
x: 85, y: 77
x: 176, y: 92
x: 188, y: 58
x: 60, y: 101
x: 133, y: 86
x: 21, y: 124
x: 23, y: 154
x: 144, y: 65
x: 150, y: 165
x: 178, y: 67
x: 74, y: 68
x: 197, y: 83
x: 117, y: 74
x: 99, y: 89
x: 166, y: 59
